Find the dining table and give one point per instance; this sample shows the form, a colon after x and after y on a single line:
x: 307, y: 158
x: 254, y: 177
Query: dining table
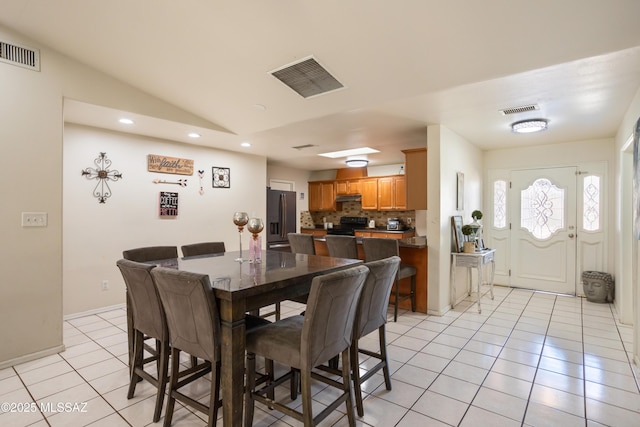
x: 241, y: 286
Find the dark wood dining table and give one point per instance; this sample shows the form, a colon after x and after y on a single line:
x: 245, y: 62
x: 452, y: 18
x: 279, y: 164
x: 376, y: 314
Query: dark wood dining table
x: 242, y: 287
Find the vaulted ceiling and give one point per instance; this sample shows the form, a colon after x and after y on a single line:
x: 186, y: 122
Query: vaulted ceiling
x: 405, y: 65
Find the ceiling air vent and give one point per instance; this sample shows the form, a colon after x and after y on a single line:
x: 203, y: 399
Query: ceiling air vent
x: 522, y: 109
x: 307, y: 77
x: 21, y: 56
x: 301, y: 147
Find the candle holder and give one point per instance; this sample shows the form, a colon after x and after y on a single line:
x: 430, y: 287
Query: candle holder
x: 255, y: 226
x: 240, y: 219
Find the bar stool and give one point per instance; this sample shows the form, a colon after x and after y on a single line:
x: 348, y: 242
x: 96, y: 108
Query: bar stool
x: 204, y: 248
x: 342, y: 246
x: 376, y: 249
x: 301, y: 243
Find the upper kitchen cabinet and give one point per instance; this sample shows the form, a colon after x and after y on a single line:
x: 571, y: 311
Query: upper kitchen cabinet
x: 347, y: 187
x: 392, y: 193
x: 369, y: 191
x: 416, y: 176
x: 322, y: 196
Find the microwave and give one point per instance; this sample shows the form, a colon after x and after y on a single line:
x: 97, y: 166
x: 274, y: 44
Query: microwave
x: 393, y: 224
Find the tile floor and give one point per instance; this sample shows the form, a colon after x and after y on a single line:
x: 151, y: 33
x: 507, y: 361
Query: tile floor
x: 530, y: 359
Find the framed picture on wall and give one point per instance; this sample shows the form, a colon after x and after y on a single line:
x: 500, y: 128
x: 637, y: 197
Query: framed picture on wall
x: 460, y: 191
x: 456, y: 233
x: 221, y: 177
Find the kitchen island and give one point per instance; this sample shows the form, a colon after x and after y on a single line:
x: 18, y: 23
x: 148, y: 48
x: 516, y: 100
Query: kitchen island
x: 413, y: 251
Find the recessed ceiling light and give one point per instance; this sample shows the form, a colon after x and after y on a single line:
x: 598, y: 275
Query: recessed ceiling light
x: 246, y: 144
x: 126, y: 121
x: 259, y: 107
x: 529, y: 126
x: 352, y: 152
x: 194, y: 135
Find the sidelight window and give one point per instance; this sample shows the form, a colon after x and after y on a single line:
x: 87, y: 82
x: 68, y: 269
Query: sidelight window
x: 591, y: 203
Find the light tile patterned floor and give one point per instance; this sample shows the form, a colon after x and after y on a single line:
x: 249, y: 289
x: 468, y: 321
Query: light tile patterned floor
x: 530, y: 359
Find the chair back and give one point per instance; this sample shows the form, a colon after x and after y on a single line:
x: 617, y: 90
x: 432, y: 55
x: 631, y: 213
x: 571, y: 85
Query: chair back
x: 342, y: 246
x: 330, y: 313
x: 301, y: 243
x: 374, y: 300
x: 376, y: 248
x: 150, y: 253
x: 191, y: 310
x: 204, y: 248
x: 146, y: 308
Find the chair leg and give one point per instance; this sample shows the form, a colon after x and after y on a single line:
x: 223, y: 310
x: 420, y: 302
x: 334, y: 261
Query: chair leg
x: 307, y: 413
x: 383, y: 356
x: 135, y: 361
x: 163, y: 369
x: 277, y: 311
x: 248, y: 394
x: 395, y: 303
x: 214, y: 400
x: 346, y: 381
x: 355, y: 373
x: 413, y: 293
x: 175, y: 367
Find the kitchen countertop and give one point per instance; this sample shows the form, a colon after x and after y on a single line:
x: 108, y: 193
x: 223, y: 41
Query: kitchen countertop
x: 418, y: 242
x: 371, y: 230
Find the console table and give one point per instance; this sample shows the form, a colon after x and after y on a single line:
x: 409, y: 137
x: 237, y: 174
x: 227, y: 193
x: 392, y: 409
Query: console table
x: 476, y: 260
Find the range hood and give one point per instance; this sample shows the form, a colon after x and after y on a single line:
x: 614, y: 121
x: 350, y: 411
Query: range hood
x: 349, y: 198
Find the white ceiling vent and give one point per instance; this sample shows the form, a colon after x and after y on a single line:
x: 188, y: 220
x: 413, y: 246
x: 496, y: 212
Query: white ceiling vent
x: 522, y: 109
x: 307, y: 77
x: 21, y: 56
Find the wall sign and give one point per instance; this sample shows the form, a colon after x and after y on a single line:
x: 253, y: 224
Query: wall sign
x: 164, y: 164
x: 168, y: 204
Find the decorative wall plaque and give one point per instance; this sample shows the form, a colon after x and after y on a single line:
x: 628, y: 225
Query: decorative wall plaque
x: 174, y: 165
x: 168, y: 204
x: 221, y: 177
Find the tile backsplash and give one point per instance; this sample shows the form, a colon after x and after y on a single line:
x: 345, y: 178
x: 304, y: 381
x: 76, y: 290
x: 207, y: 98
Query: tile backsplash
x: 312, y: 219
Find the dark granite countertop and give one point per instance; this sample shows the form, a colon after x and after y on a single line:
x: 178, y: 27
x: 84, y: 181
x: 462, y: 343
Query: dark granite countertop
x: 418, y: 242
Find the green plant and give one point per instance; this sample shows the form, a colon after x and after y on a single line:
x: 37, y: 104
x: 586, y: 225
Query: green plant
x: 476, y: 215
x: 467, y: 230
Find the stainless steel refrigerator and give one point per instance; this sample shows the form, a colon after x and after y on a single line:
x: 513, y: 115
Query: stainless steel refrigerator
x: 281, y: 218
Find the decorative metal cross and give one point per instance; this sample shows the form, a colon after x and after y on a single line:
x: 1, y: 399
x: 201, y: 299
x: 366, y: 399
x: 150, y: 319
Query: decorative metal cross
x: 103, y: 175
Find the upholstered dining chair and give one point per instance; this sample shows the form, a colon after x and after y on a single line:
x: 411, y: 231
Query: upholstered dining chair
x: 193, y: 321
x: 342, y: 246
x: 144, y: 254
x: 377, y: 248
x: 204, y: 248
x: 148, y: 321
x: 301, y: 243
x: 304, y: 342
x: 371, y: 315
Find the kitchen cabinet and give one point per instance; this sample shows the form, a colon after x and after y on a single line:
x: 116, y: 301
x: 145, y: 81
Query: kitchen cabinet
x: 322, y: 196
x: 347, y: 187
x: 392, y: 193
x: 382, y: 234
x: 416, y: 175
x: 318, y: 232
x: 369, y: 191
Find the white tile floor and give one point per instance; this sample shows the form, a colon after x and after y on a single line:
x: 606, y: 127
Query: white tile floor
x: 530, y: 359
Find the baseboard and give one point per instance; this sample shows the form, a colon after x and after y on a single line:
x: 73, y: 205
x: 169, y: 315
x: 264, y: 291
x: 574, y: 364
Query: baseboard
x: 94, y: 311
x: 32, y: 356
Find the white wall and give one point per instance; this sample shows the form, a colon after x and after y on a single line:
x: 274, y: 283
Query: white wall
x: 96, y: 234
x: 448, y: 153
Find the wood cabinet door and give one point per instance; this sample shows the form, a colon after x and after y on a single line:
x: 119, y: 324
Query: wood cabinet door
x: 400, y: 193
x: 354, y: 187
x: 328, y: 196
x: 369, y: 189
x: 315, y: 196
x: 385, y: 193
x: 342, y: 188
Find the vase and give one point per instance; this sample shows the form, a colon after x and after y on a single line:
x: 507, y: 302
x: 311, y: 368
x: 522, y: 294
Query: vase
x: 469, y: 247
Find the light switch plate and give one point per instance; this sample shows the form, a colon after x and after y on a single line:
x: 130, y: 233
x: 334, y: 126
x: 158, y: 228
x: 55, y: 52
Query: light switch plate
x: 34, y: 219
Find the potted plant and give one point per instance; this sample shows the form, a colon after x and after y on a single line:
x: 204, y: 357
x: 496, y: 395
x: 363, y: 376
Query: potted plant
x: 476, y: 215
x: 469, y: 244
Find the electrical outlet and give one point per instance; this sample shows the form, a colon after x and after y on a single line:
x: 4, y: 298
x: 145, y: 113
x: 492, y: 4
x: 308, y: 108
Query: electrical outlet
x: 105, y: 285
x: 34, y: 219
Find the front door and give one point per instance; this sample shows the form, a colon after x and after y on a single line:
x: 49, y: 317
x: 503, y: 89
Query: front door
x: 543, y: 229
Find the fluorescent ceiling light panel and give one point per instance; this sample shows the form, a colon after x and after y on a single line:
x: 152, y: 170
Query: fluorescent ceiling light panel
x: 347, y: 153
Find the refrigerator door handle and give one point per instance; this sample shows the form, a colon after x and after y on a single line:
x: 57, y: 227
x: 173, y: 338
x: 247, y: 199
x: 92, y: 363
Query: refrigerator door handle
x: 283, y: 215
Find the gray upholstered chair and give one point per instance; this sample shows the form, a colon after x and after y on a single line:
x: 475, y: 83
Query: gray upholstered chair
x: 375, y: 249
x: 204, y: 248
x: 301, y: 243
x: 148, y: 321
x: 371, y: 315
x: 342, y: 246
x: 151, y: 253
x: 305, y: 342
x: 194, y: 327
x: 144, y: 254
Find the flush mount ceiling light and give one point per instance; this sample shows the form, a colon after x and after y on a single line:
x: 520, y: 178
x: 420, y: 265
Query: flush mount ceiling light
x: 351, y: 152
x: 529, y: 126
x: 357, y: 163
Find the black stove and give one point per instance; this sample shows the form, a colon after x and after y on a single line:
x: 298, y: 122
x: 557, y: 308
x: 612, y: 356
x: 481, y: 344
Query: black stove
x: 348, y: 225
